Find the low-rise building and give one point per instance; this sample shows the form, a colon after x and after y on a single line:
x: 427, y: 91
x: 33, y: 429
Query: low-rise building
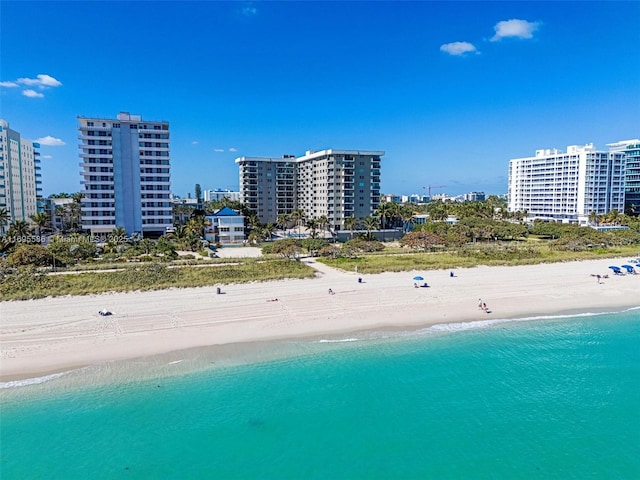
x: 224, y: 227
x: 218, y: 194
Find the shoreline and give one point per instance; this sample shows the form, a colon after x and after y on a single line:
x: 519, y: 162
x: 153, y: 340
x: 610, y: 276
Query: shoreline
x: 261, y: 350
x: 53, y: 335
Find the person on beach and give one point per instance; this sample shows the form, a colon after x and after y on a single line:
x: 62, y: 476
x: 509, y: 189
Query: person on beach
x: 331, y: 292
x: 480, y: 304
x: 415, y: 285
x: 273, y: 300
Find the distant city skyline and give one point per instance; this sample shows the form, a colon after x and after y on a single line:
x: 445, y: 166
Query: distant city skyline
x: 451, y: 91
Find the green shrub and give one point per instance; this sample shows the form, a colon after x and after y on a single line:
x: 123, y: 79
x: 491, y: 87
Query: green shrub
x: 23, y: 282
x: 35, y: 255
x: 365, y: 246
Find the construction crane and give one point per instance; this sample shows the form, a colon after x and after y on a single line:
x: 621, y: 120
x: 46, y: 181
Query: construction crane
x: 429, y: 187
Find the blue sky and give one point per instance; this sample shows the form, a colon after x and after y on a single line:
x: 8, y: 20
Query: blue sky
x: 449, y: 90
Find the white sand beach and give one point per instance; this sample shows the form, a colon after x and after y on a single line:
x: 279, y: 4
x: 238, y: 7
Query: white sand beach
x: 40, y: 337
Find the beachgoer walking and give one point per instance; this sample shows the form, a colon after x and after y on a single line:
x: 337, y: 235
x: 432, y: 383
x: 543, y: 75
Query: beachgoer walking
x: 330, y: 292
x: 480, y: 304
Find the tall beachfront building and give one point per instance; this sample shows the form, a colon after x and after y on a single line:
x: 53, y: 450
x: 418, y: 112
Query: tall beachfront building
x: 126, y: 175
x: 20, y: 177
x: 631, y: 150
x: 567, y: 187
x: 339, y: 184
x: 333, y: 183
x: 268, y: 186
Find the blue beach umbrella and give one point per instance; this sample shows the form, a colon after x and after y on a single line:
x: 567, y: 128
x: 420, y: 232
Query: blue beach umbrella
x: 418, y: 278
x: 629, y: 268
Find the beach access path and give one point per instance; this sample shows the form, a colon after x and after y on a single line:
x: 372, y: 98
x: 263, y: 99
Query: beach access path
x: 49, y: 335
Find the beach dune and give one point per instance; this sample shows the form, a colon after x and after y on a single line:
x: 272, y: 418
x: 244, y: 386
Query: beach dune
x: 40, y: 337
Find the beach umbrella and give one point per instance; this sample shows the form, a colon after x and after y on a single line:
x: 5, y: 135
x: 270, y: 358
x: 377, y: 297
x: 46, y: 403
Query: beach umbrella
x: 419, y: 278
x: 614, y: 268
x: 628, y: 267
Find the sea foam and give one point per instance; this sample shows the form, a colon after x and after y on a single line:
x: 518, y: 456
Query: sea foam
x: 32, y: 381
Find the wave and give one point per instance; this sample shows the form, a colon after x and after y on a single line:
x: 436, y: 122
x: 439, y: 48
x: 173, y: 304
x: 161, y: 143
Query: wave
x: 339, y: 340
x: 470, y: 325
x: 32, y: 381
x: 175, y: 361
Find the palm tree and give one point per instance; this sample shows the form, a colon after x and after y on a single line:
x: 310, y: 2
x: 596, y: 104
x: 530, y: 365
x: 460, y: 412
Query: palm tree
x: 312, y: 224
x: 182, y: 212
x: 437, y: 210
x: 146, y: 245
x: 196, y: 225
x: 41, y: 220
x: 75, y: 211
x: 350, y: 223
x: 614, y: 217
x: 371, y: 223
x: 323, y: 223
x: 593, y: 217
x: 252, y: 221
x: 62, y: 213
x: 267, y: 231
x: 5, y: 217
x: 282, y: 221
x: 298, y: 216
x: 406, y: 215
x: 19, y: 228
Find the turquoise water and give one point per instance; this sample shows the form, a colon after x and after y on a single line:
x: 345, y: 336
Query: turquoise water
x: 551, y: 398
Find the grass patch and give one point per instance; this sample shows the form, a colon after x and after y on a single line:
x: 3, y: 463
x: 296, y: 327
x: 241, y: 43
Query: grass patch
x: 529, y: 254
x: 154, y: 276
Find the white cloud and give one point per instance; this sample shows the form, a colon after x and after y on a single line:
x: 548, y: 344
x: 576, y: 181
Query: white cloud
x: 457, y: 48
x: 46, y: 156
x: 195, y: 142
x: 42, y: 81
x: 32, y: 94
x: 233, y: 149
x: 219, y: 150
x: 50, y: 141
x: 248, y: 10
x: 514, y: 28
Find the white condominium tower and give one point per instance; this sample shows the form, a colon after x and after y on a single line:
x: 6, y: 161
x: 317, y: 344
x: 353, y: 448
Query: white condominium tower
x: 126, y: 175
x: 20, y: 184
x: 332, y: 183
x: 567, y: 187
x: 631, y: 150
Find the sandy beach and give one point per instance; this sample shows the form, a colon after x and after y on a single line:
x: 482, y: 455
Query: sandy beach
x: 40, y: 337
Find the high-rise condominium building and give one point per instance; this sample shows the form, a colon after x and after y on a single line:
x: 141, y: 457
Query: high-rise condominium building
x: 268, y: 186
x: 20, y: 183
x: 333, y: 183
x: 631, y: 150
x: 126, y: 175
x: 567, y: 187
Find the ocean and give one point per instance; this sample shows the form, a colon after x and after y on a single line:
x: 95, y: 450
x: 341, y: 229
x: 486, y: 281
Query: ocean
x: 553, y: 398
